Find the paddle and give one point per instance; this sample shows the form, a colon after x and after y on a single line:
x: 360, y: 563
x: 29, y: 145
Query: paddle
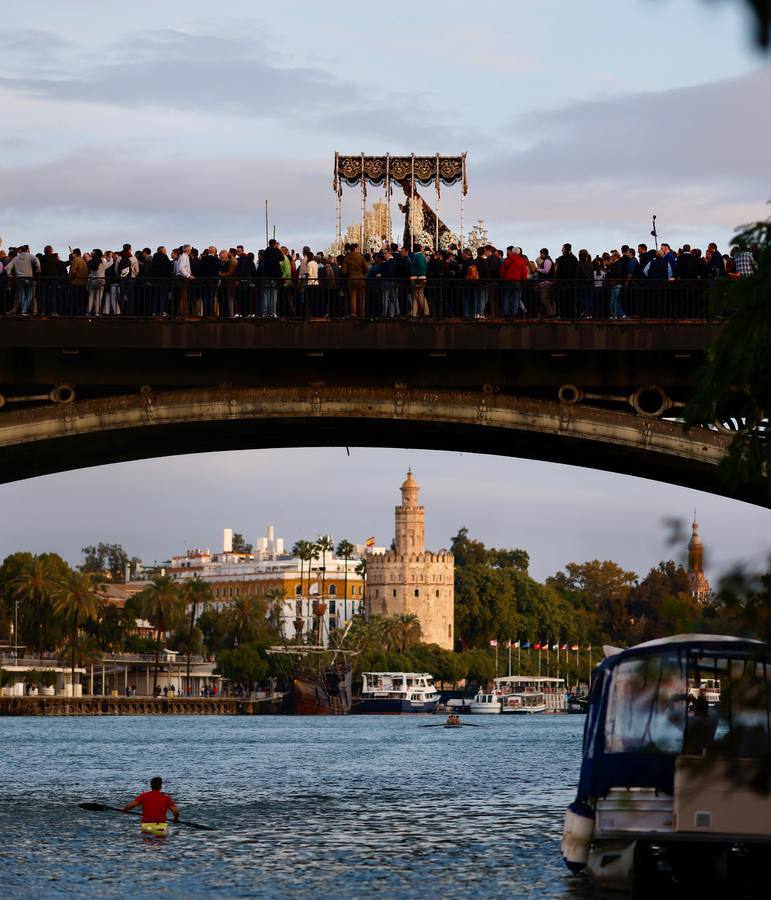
x: 101, y: 807
x: 459, y: 725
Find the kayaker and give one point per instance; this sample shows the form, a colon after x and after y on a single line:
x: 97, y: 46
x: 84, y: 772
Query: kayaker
x: 155, y: 804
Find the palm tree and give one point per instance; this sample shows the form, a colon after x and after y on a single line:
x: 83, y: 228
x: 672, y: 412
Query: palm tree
x: 162, y: 606
x: 325, y: 545
x: 407, y: 631
x: 275, y: 595
x: 37, y: 586
x: 78, y: 599
x: 345, y: 551
x: 361, y: 571
x: 301, y: 551
x: 195, y: 593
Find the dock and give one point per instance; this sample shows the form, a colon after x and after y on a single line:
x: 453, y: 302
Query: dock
x: 138, y: 706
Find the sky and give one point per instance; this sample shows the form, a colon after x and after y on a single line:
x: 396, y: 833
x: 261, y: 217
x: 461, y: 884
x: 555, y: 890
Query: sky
x: 167, y: 123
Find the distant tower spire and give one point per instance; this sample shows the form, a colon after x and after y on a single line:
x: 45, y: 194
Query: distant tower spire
x: 697, y: 581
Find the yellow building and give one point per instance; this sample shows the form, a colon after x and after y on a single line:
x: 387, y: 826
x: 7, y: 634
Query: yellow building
x: 410, y: 579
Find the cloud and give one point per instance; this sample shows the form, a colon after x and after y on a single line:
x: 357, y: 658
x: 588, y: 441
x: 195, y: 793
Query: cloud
x: 216, y: 76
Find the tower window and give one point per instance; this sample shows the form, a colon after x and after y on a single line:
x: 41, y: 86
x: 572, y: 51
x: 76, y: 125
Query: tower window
x: 449, y: 631
x: 394, y: 592
x: 437, y: 593
x: 417, y: 592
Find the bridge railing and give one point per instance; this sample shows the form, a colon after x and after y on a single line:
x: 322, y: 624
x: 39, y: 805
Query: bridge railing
x: 373, y: 298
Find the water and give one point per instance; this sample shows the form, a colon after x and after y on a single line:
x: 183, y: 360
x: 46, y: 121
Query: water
x: 361, y: 806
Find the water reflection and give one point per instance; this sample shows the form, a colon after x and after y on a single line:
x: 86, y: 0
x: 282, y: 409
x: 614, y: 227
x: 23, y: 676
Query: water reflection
x: 361, y: 806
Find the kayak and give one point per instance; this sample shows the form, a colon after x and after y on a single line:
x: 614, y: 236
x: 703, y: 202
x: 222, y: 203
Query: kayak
x: 155, y: 828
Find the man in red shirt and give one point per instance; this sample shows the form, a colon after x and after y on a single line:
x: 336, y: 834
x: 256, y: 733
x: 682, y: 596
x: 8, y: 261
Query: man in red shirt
x: 513, y: 271
x: 155, y: 805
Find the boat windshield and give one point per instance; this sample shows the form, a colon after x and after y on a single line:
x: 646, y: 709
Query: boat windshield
x: 659, y: 704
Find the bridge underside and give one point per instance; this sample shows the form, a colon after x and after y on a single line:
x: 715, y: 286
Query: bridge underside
x: 53, y: 438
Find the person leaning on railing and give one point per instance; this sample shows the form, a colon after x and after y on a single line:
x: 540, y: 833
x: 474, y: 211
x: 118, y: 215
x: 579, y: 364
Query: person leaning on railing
x: 23, y: 268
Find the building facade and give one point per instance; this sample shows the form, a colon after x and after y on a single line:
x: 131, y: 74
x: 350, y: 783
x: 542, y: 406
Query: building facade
x: 698, y: 586
x: 410, y: 579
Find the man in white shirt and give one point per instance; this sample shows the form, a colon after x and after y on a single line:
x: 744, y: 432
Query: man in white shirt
x: 183, y: 275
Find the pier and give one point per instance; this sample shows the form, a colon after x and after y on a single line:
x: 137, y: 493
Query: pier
x: 137, y: 706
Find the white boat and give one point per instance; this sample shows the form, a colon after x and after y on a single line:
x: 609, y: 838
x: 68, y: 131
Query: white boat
x: 485, y: 704
x: 524, y: 703
x: 531, y: 694
x: 397, y: 692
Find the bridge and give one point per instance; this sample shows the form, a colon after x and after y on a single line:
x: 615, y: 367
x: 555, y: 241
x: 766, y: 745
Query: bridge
x: 78, y: 392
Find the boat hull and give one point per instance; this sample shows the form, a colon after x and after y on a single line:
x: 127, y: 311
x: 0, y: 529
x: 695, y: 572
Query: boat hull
x: 312, y: 697
x: 392, y: 706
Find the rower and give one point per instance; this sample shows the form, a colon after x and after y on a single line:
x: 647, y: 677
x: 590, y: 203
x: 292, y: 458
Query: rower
x: 155, y: 804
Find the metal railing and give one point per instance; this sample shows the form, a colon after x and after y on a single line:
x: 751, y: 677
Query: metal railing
x: 370, y: 298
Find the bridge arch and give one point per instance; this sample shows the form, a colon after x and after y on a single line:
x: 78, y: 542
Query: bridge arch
x: 82, y: 433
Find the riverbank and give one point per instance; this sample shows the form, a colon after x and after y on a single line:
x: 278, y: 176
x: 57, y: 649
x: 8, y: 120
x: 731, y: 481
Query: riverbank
x: 137, y: 706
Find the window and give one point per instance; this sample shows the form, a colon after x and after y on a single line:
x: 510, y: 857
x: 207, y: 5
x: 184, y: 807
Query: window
x: 417, y: 592
x: 437, y: 593
x: 298, y: 591
x: 332, y: 590
x: 449, y: 631
x: 394, y: 592
x: 647, y: 706
x: 332, y: 607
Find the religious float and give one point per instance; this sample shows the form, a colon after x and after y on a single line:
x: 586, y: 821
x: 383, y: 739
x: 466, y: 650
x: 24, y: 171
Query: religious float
x: 674, y: 790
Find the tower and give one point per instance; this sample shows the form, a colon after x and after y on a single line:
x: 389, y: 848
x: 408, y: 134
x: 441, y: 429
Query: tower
x: 697, y: 581
x: 410, y: 519
x: 410, y: 580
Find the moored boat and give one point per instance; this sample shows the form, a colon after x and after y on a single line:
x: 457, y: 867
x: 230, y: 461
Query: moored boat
x: 668, y: 786
x: 485, y: 704
x: 527, y: 694
x: 397, y: 692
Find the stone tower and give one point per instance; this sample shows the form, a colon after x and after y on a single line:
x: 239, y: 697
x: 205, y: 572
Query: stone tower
x: 408, y: 579
x: 697, y: 581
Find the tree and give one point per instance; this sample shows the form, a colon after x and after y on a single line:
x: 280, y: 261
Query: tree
x: 468, y: 552
x: 407, y: 631
x: 240, y: 545
x: 361, y: 571
x: 111, y: 559
x: 243, y: 665
x: 78, y: 599
x: 302, y: 550
x: 345, y: 551
x: 35, y: 585
x: 246, y: 619
x: 162, y: 607
x: 734, y: 386
x: 195, y: 593
x: 325, y: 545
x: 275, y: 597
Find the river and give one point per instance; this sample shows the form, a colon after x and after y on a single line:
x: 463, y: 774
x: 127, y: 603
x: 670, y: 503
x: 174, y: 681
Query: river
x: 360, y: 806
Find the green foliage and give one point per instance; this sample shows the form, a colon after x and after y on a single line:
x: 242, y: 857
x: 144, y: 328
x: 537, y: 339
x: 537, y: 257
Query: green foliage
x: 41, y: 678
x: 244, y: 665
x: 735, y: 383
x: 110, y: 559
x: 468, y: 551
x: 240, y: 545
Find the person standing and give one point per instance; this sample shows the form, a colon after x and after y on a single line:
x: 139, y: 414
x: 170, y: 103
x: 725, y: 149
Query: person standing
x: 272, y: 259
x: 545, y: 272
x: 355, y: 269
x: 155, y: 807
x: 418, y: 270
x: 78, y: 279
x: 513, y: 272
x: 23, y: 268
x: 182, y: 276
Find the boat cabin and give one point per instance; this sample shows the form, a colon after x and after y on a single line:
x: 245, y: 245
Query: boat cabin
x: 673, y: 753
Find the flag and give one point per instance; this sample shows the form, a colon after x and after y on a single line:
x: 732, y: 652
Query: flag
x: 515, y: 645
x: 371, y: 541
x: 555, y: 646
x: 525, y: 645
x: 574, y: 647
x: 564, y: 647
x: 493, y: 643
x: 536, y: 646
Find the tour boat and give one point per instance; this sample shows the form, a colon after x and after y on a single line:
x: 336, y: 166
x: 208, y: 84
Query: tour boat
x: 397, y: 692
x: 485, y: 704
x: 668, y: 791
x: 527, y: 694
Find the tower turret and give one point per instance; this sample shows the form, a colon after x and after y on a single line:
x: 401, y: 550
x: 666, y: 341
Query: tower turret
x: 410, y: 519
x: 697, y: 580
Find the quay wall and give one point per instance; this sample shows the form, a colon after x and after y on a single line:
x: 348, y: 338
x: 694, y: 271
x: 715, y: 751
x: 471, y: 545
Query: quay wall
x: 136, y: 706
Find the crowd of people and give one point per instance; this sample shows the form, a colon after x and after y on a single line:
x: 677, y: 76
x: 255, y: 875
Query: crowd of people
x: 388, y: 282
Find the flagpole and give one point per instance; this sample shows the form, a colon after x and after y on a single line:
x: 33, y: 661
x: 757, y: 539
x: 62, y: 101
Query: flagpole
x: 496, y: 659
x: 519, y: 655
x: 509, y: 657
x: 547, y: 660
x: 539, y: 660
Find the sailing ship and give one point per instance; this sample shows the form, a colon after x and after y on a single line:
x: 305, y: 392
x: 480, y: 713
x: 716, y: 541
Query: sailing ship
x: 319, y: 676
